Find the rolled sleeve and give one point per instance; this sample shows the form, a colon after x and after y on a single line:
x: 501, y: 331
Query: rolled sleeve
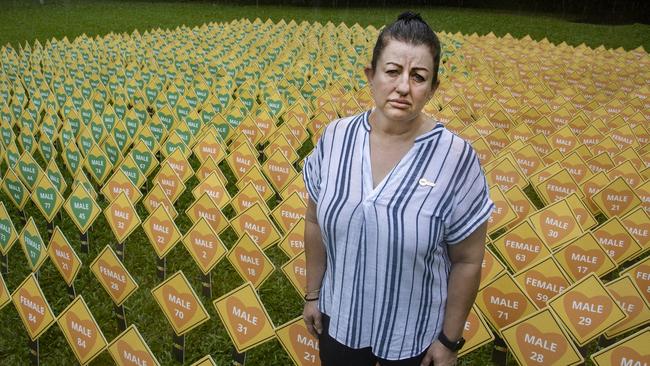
x: 311, y: 172
x: 472, y: 205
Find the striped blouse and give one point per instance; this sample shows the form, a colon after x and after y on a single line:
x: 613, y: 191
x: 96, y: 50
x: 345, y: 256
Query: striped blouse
x: 385, y: 284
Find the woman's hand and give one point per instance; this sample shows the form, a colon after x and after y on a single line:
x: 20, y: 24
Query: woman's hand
x: 439, y: 355
x: 312, y: 316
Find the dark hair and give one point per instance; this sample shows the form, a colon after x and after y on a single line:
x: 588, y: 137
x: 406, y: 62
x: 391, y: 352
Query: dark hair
x: 409, y: 28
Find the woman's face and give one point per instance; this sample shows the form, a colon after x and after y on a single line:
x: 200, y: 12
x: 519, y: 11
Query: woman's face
x: 401, y: 83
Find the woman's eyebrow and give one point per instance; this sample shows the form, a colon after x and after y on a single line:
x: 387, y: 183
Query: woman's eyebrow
x: 416, y: 68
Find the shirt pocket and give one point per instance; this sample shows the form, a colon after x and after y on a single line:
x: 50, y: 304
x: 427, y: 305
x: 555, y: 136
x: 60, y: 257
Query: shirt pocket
x: 415, y: 203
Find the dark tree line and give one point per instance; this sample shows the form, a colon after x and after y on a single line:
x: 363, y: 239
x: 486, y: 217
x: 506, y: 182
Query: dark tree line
x: 595, y: 11
x: 588, y: 11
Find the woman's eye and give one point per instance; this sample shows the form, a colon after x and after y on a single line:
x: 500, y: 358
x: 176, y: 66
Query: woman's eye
x: 392, y: 72
x: 418, y: 78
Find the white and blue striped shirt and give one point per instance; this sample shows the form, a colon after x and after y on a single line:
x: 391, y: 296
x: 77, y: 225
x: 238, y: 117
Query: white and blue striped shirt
x: 385, y: 284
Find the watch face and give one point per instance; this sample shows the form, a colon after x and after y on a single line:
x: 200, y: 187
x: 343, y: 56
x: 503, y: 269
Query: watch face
x: 460, y: 343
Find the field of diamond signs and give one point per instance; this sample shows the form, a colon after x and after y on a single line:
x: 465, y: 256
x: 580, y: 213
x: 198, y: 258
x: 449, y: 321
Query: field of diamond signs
x: 152, y: 195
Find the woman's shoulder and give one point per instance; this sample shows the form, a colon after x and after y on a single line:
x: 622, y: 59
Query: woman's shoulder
x: 448, y: 135
x: 359, y: 118
x: 344, y: 123
x: 455, y: 143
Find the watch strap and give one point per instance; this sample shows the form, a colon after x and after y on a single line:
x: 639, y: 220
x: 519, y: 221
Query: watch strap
x: 454, y: 346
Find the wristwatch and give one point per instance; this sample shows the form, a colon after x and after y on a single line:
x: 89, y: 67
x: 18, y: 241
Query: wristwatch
x: 455, y: 346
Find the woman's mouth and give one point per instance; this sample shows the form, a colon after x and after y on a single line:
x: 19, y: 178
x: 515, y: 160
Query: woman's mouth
x: 399, y: 103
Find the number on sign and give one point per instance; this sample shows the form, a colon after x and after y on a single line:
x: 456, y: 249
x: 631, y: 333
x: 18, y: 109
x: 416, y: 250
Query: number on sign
x: 537, y: 357
x: 179, y: 314
x: 242, y: 329
x: 309, y: 357
x: 584, y: 320
x: 542, y: 297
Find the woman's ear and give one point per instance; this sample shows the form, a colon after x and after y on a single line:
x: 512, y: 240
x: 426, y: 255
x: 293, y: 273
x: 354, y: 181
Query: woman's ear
x: 369, y: 74
x: 434, y: 88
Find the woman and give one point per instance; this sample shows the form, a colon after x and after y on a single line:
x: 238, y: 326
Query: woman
x: 396, y: 217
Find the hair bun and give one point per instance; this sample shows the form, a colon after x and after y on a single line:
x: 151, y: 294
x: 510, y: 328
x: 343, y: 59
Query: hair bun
x: 409, y: 15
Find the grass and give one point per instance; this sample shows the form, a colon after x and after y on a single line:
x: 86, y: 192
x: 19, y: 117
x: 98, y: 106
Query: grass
x: 282, y: 301
x: 20, y: 22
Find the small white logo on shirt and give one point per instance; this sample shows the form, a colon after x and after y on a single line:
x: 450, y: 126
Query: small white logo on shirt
x: 425, y: 182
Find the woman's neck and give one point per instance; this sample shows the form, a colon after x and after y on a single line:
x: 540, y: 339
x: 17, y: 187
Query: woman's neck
x: 397, y: 131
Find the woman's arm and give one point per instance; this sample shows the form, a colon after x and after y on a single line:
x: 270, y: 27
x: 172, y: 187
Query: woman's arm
x: 466, y: 259
x: 316, y: 263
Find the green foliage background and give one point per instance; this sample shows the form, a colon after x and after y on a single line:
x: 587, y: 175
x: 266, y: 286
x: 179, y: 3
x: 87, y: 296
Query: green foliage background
x: 22, y: 21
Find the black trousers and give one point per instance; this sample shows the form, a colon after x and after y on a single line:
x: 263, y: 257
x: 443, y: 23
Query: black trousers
x: 333, y: 353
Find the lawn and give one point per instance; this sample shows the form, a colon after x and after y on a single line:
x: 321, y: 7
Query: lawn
x: 20, y: 23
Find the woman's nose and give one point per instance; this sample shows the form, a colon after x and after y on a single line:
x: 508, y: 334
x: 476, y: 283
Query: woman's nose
x: 403, y: 85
